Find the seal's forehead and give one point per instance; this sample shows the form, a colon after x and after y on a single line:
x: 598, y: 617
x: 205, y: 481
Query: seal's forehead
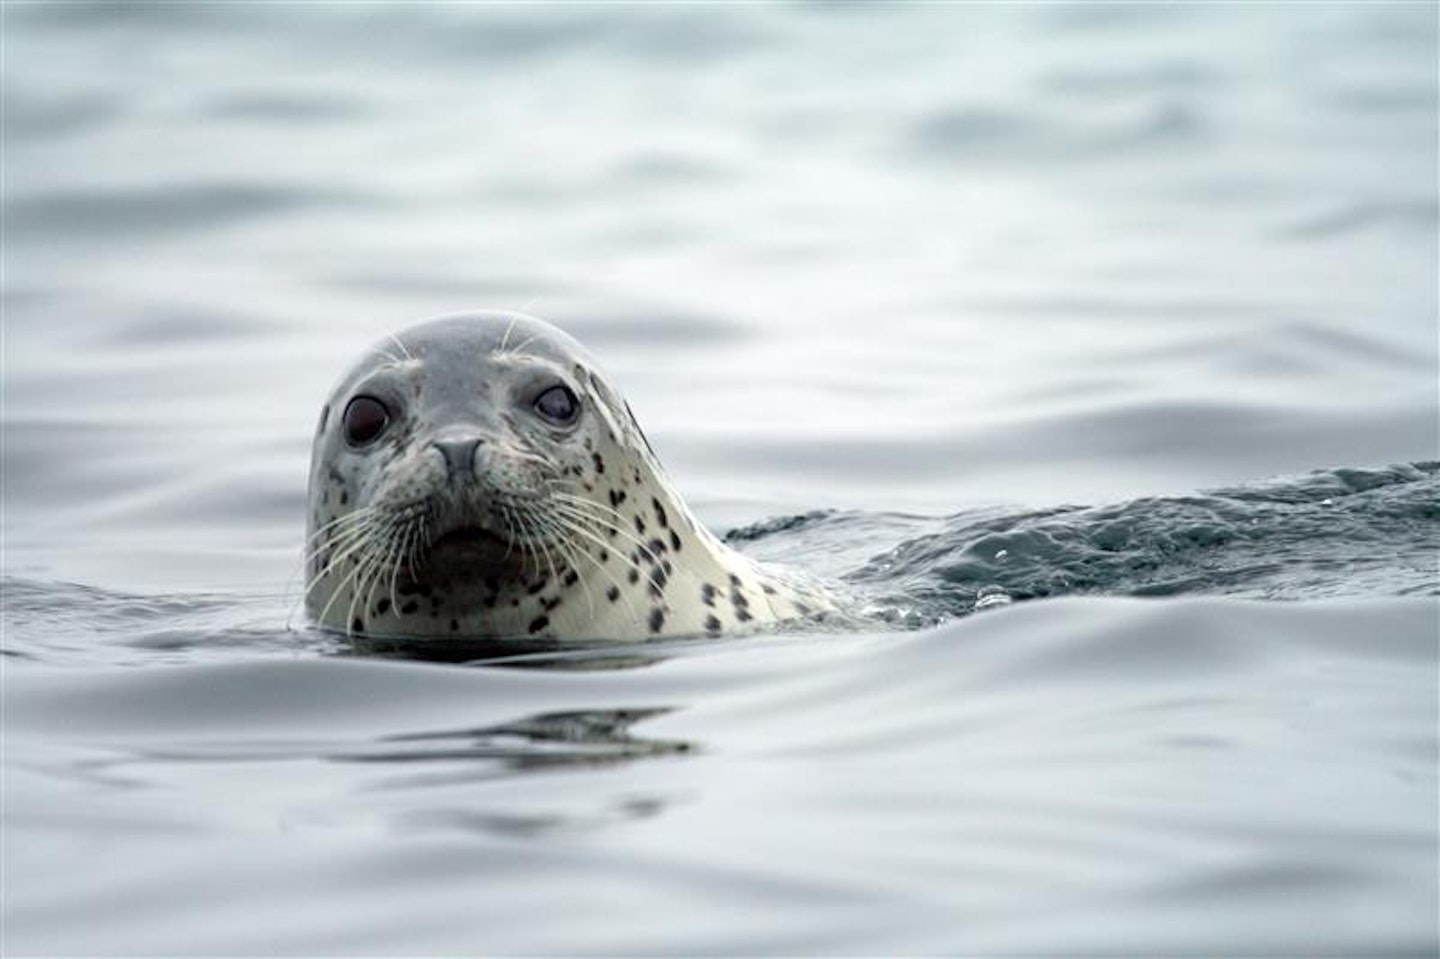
x: 451, y: 351
x: 474, y: 335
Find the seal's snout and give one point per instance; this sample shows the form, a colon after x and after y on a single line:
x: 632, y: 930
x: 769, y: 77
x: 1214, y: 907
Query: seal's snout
x: 459, y: 452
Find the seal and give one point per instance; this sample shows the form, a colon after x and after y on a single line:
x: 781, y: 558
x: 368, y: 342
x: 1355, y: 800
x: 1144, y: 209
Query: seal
x: 476, y: 476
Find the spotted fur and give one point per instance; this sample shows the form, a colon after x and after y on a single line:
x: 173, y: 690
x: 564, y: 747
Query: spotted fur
x: 540, y: 531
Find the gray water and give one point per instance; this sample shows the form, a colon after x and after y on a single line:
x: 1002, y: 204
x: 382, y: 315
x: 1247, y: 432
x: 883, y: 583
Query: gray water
x: 1094, y: 347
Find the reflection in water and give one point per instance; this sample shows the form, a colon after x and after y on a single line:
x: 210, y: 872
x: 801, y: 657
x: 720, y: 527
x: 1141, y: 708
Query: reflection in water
x: 520, y: 652
x: 580, y: 738
x: 444, y: 761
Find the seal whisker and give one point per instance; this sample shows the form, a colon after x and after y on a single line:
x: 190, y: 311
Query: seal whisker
x: 605, y: 524
x: 348, y: 581
x: 589, y: 504
x: 325, y: 573
x: 355, y: 540
x: 404, y: 350
x: 342, y: 528
x: 572, y: 555
x: 516, y: 351
x: 366, y: 588
x: 621, y: 591
x: 574, y: 552
x: 360, y: 591
x: 526, y: 520
x: 506, y: 338
x: 509, y: 530
x: 572, y: 526
x: 311, y: 551
x: 353, y: 518
x: 423, y: 542
x: 394, y: 556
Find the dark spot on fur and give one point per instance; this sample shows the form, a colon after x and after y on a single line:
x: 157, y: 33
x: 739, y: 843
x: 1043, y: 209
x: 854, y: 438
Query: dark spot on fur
x: 382, y: 607
x: 743, y: 615
x: 634, y: 575
x: 734, y: 580
x: 357, y: 625
x: 712, y: 625
x: 657, y: 581
x: 656, y: 547
x: 539, y: 623
x: 617, y: 496
x: 538, y: 585
x: 767, y: 589
x: 659, y: 512
x: 604, y: 556
x: 613, y: 593
x: 409, y: 608
x: 802, y: 609
x: 739, y: 600
x: 675, y: 541
x: 571, y: 578
x: 657, y: 619
x: 454, y: 625
x: 639, y: 523
x: 344, y: 497
x: 549, y: 604
x: 707, y: 594
x: 599, y: 463
x: 665, y: 565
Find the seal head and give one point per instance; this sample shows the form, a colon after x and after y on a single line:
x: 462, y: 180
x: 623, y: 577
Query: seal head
x: 477, y: 476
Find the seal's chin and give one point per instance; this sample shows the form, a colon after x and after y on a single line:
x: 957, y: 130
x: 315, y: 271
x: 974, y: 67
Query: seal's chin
x: 472, y: 547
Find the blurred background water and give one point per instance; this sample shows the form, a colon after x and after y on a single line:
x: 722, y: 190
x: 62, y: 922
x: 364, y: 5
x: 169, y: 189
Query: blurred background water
x: 967, y: 304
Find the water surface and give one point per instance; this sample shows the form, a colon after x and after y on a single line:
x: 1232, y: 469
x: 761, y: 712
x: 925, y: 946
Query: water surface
x: 1094, y: 346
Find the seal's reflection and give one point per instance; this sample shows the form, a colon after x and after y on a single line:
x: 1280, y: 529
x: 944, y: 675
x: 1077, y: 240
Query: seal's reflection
x: 516, y: 653
x: 546, y: 740
x: 463, y: 771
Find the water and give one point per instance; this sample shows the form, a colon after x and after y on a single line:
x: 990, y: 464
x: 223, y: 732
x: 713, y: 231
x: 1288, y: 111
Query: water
x: 1093, y: 346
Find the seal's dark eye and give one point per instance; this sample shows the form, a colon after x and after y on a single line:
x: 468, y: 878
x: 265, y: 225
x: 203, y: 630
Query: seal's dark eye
x: 559, y: 405
x: 365, y: 419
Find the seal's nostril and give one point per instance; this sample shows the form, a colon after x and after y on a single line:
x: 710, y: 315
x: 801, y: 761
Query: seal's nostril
x: 459, y: 454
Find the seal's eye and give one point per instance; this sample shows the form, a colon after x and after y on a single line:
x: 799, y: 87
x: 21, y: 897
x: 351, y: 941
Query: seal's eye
x: 365, y: 419
x: 558, y: 405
